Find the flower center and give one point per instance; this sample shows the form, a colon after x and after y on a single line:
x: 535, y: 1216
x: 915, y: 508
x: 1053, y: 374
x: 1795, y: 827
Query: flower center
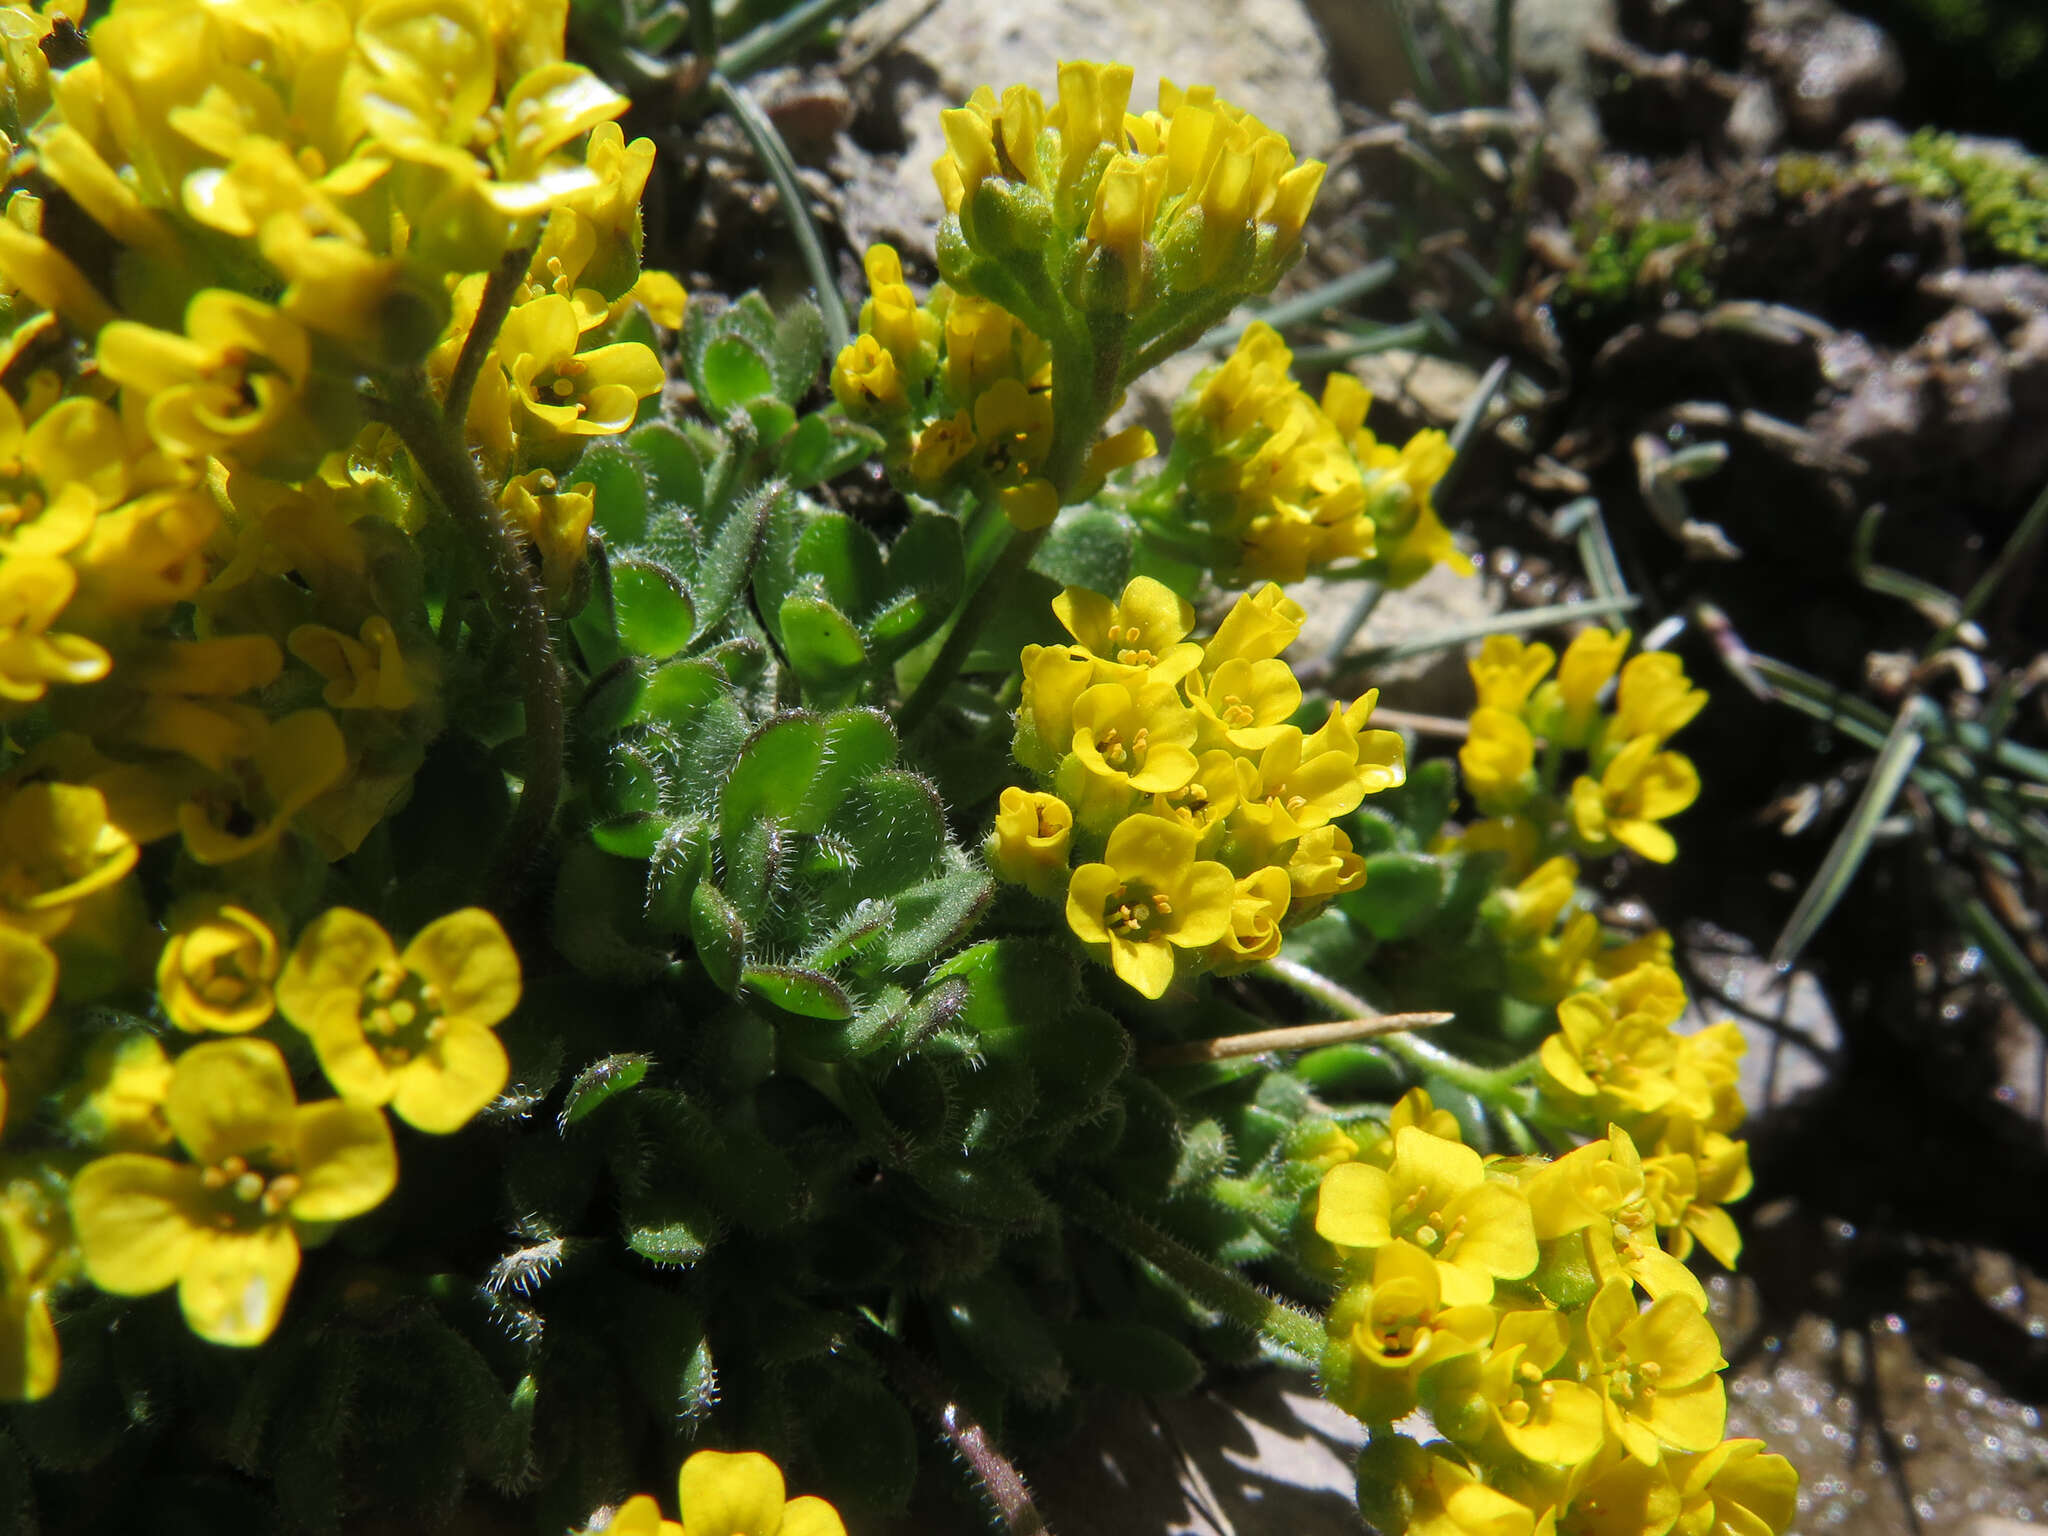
x: 1133, y: 911
x: 247, y: 1194
x: 1236, y: 713
x: 1126, y: 642
x: 1118, y: 755
x: 401, y: 1014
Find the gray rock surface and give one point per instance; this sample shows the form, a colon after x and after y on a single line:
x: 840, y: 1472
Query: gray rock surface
x: 1829, y: 68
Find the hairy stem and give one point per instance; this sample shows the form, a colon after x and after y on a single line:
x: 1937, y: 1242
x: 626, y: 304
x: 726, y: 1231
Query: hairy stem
x: 1000, y: 1480
x: 447, y: 469
x: 1489, y: 1083
x: 967, y: 620
x: 1220, y: 1290
x: 500, y: 288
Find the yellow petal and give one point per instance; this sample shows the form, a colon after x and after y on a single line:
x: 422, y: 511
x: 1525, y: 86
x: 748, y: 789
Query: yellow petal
x: 468, y: 958
x: 134, y: 1216
x: 335, y: 956
x: 1353, y: 1206
x: 443, y: 1087
x: 231, y: 1096
x: 345, y: 1159
x: 1146, y: 967
x: 730, y: 1494
x: 28, y: 1348
x: 235, y: 1284
x: 811, y: 1516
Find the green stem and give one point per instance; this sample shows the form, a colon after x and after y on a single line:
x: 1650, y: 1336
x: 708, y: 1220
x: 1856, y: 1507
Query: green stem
x: 447, y: 469
x: 1218, y: 1289
x: 1008, y: 567
x: 500, y: 289
x: 1488, y: 1083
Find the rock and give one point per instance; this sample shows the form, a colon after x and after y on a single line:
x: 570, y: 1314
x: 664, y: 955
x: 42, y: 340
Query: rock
x: 1787, y: 1021
x: 1660, y: 103
x: 1830, y: 68
x: 1264, y: 56
x: 1434, y: 683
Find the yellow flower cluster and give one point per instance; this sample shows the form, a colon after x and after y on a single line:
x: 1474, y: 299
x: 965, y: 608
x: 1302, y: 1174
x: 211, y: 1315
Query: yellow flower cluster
x: 1126, y: 210
x: 1289, y: 485
x: 214, y: 633
x: 962, y: 393
x: 1204, y: 817
x: 1632, y: 783
x: 1501, y: 1295
x: 727, y: 1493
x: 411, y: 1030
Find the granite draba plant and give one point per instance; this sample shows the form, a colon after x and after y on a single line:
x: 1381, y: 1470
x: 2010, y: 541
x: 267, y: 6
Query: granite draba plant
x: 537, y: 947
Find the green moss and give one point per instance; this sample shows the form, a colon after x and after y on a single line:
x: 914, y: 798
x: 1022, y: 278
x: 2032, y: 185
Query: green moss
x: 1626, y: 263
x: 2004, y: 197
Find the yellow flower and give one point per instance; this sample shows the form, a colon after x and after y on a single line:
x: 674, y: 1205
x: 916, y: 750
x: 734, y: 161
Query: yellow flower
x: 1055, y: 677
x: 1568, y: 707
x: 289, y: 764
x: 1691, y: 1176
x: 984, y: 343
x: 1499, y: 760
x: 186, y: 688
x: 562, y: 392
x: 35, y: 1241
x: 1620, y: 1496
x: 146, y: 554
x: 58, y: 474
x: 1450, y: 1500
x: 1654, y: 699
x: 1530, y: 909
x: 1204, y: 803
x: 1322, y: 865
x: 721, y: 1493
x: 231, y: 384
x: 941, y: 448
x: 1242, y: 393
x: 1245, y: 704
x: 1436, y: 1195
x: 1415, y: 1107
x: 412, y: 1030
x: 1144, y: 633
x: 1029, y: 844
x: 1737, y: 1489
x: 1256, y: 912
x: 1638, y: 789
x: 1600, y: 1190
x: 217, y: 968
x: 1507, y: 669
x: 1013, y: 428
x: 223, y: 1228
x: 28, y: 984
x: 57, y: 847
x: 1513, y: 1388
x: 892, y: 316
x: 866, y: 380
x: 1259, y: 625
x: 1150, y: 897
x: 34, y: 589
x: 1707, y: 1074
x: 1606, y: 1066
x: 115, y: 1103
x: 365, y: 672
x: 1139, y: 737
x: 553, y: 520
x: 1649, y: 985
x: 1385, y: 1333
x: 1659, y: 1371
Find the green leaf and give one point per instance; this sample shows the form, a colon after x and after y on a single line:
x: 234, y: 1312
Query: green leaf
x: 719, y: 934
x: 1088, y: 547
x: 860, y: 1435
x: 1004, y: 1333
x: 676, y: 473
x: 859, y: 930
x: 674, y: 866
x: 634, y: 835
x: 655, y: 614
x: 843, y: 555
x: 673, y: 695
x: 926, y: 568
x: 1402, y: 892
x: 773, y: 776
x: 799, y: 350
x: 618, y: 478
x: 1014, y: 986
x: 734, y: 374
x: 857, y: 742
x: 808, y: 994
x: 823, y: 646
x: 932, y: 915
x: 600, y: 1082
x: 627, y: 782
x: 727, y: 564
x: 824, y: 447
x: 1424, y: 801
x: 666, y: 1227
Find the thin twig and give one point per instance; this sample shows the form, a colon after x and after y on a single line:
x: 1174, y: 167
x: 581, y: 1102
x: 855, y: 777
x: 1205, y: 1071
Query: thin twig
x: 1296, y: 1037
x: 1500, y: 624
x: 500, y: 288
x: 998, y: 1476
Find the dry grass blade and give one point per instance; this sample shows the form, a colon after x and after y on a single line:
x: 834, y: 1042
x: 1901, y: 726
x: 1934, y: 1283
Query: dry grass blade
x: 1502, y: 624
x: 1887, y: 777
x: 1295, y: 1037
x: 781, y: 168
x: 1334, y: 294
